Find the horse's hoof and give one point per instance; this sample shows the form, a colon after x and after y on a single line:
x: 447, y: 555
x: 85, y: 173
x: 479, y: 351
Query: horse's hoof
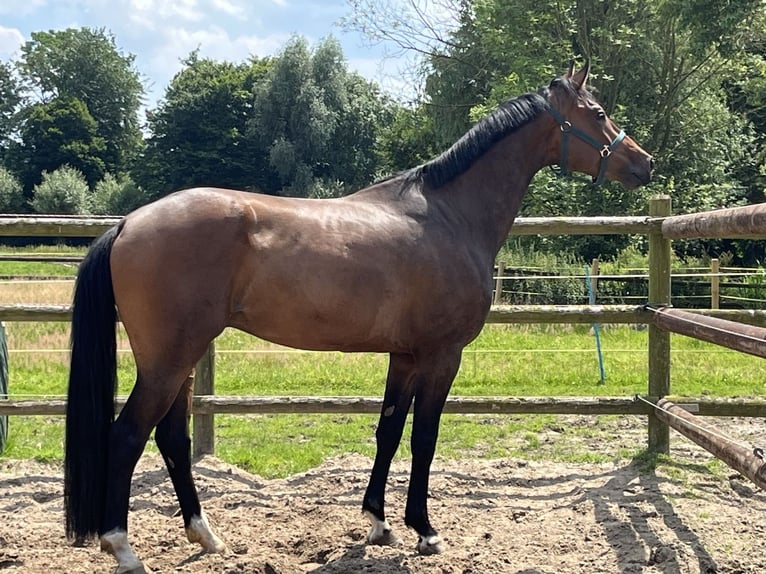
x: 199, y: 531
x: 430, y: 545
x: 384, y: 538
x: 380, y: 533
x: 115, y: 542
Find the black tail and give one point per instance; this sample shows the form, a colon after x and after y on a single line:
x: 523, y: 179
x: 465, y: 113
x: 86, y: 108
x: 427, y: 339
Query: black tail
x: 92, y: 386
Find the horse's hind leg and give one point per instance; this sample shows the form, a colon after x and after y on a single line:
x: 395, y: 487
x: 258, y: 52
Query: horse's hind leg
x: 151, y: 399
x: 127, y: 439
x: 396, y: 404
x: 173, y: 440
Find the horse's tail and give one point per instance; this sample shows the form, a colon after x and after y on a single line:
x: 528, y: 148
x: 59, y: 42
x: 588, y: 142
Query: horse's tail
x: 92, y: 387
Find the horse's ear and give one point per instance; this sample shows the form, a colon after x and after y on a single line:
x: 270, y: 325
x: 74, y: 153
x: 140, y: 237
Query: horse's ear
x: 570, y: 72
x: 580, y: 79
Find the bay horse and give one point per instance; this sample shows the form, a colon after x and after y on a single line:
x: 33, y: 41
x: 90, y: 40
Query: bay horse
x: 402, y: 267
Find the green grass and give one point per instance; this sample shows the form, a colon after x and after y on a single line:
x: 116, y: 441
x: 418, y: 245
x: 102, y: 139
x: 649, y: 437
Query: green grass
x: 504, y: 360
x: 39, y: 268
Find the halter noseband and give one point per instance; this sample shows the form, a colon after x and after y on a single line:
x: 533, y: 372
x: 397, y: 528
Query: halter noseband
x: 605, y: 150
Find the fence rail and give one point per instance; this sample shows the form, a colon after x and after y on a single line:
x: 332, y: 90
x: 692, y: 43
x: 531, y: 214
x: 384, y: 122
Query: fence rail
x: 502, y: 405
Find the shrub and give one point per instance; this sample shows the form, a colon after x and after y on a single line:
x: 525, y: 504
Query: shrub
x: 113, y: 196
x: 64, y: 191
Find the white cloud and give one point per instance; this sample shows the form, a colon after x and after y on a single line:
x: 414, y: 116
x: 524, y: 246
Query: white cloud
x: 154, y: 14
x: 21, y: 8
x: 10, y: 42
x: 213, y: 42
x: 229, y: 7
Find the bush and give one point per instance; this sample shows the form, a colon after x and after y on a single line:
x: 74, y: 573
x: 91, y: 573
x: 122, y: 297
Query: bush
x: 113, y: 196
x: 11, y: 193
x: 63, y: 191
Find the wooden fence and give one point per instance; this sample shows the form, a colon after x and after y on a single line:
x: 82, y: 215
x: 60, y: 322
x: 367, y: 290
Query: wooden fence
x: 658, y: 225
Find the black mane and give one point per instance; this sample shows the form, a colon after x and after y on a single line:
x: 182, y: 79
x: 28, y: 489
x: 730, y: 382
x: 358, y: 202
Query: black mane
x: 507, y: 118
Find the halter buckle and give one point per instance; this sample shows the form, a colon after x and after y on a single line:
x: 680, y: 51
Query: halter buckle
x: 606, y: 151
x: 566, y: 126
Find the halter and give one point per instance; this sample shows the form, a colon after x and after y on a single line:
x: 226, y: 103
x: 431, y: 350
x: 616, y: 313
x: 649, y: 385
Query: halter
x: 605, y: 150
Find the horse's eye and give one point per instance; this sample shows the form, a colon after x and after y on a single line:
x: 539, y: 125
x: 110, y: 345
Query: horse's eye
x: 601, y: 115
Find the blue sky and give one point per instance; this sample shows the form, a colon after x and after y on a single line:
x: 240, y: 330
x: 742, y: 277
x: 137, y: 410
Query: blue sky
x: 162, y: 32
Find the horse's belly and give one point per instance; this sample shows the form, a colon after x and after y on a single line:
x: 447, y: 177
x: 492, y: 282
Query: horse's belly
x: 302, y: 326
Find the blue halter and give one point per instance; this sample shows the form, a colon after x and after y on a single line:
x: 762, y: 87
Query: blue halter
x: 605, y: 150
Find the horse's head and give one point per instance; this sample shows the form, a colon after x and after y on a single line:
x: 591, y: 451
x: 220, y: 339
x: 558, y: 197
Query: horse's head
x: 587, y: 140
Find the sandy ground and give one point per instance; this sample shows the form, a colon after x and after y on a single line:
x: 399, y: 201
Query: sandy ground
x: 496, y: 516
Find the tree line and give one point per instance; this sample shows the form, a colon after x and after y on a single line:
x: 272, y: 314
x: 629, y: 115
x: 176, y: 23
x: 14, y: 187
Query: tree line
x: 687, y: 80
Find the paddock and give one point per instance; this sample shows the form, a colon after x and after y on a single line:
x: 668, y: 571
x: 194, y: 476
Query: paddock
x: 502, y: 516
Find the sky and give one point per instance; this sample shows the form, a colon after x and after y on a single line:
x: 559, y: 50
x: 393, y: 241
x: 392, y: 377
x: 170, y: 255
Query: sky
x: 160, y: 33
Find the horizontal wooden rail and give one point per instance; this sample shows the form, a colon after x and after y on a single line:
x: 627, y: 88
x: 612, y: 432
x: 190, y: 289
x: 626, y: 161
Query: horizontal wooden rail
x: 618, y: 225
x: 504, y: 405
x: 733, y: 335
x: 502, y: 314
x: 54, y: 226
x: 746, y: 221
x: 737, y: 456
x: 78, y: 226
x: 41, y: 258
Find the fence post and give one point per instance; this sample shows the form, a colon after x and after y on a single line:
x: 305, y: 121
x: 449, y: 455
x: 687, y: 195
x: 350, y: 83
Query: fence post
x: 715, y: 283
x: 3, y: 386
x: 203, y: 441
x: 659, y: 341
x: 499, y: 283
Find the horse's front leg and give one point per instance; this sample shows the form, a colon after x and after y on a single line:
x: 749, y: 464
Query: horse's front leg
x: 396, y: 404
x: 435, y: 376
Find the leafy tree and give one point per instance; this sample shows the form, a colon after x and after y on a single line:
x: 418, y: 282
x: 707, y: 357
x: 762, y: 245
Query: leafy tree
x: 85, y: 64
x: 60, y: 132
x: 63, y: 191
x: 11, y: 195
x: 199, y: 130
x: 315, y: 121
x: 10, y: 98
x: 407, y: 139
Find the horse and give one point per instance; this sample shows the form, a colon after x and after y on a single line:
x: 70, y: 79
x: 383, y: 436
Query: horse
x: 402, y: 267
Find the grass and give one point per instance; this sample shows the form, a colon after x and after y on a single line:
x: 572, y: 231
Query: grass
x: 39, y: 268
x: 504, y: 360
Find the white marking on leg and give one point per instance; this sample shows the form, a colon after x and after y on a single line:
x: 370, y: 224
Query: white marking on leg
x: 199, y: 531
x: 380, y: 532
x: 115, y: 542
x: 428, y: 545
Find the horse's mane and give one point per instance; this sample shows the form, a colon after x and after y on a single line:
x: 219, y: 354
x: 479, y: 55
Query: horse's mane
x: 504, y: 120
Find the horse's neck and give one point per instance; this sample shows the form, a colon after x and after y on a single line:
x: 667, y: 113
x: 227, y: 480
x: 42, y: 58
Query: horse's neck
x: 488, y: 195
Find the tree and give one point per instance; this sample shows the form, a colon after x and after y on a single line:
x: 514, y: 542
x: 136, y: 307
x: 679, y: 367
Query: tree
x: 408, y: 139
x: 63, y: 191
x: 86, y: 64
x: 316, y: 122
x: 11, y: 195
x: 56, y: 133
x: 199, y: 130
x: 10, y: 98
